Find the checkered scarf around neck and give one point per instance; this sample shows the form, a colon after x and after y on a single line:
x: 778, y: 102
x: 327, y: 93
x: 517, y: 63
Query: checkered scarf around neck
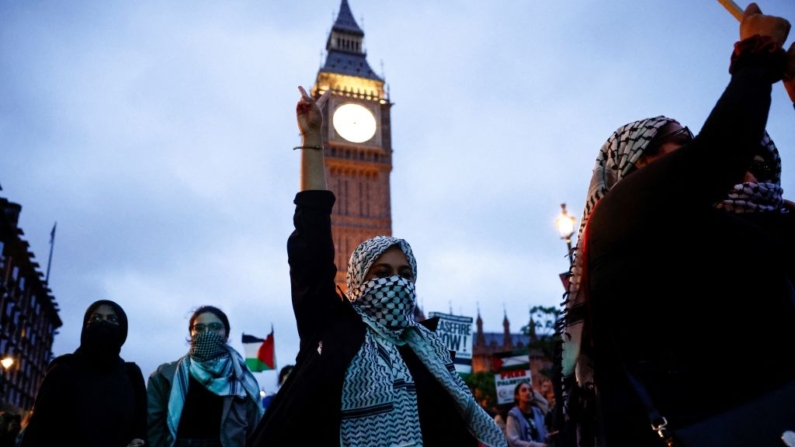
x: 762, y: 197
x: 379, y: 399
x: 217, y: 367
x: 617, y: 158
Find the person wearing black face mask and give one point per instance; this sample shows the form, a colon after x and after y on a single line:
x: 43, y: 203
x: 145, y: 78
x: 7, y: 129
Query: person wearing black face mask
x: 92, y: 397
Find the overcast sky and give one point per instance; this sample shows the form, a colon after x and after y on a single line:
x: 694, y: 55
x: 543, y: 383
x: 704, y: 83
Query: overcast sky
x: 158, y: 135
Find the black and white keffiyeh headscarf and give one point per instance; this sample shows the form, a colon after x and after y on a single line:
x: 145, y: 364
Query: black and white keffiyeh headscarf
x: 379, y: 398
x: 216, y: 366
x: 617, y: 158
x: 763, y: 197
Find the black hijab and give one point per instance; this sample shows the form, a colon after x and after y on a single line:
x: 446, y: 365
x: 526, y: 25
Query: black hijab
x: 101, y: 341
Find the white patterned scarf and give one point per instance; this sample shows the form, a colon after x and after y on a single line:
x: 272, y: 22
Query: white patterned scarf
x: 217, y: 367
x: 379, y: 400
x: 762, y: 197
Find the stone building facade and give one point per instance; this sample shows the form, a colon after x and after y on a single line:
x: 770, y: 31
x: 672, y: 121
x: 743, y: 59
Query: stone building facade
x: 28, y: 316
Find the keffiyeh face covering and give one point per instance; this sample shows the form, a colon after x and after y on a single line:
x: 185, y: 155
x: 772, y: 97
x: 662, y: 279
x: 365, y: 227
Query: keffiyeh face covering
x: 388, y: 301
x: 217, y: 367
x: 207, y: 345
x: 379, y: 398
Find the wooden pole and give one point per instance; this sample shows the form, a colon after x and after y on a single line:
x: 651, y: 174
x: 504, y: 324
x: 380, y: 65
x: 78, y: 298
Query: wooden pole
x: 732, y: 7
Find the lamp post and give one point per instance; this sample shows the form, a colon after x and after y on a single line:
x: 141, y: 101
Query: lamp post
x: 6, y: 363
x: 565, y: 225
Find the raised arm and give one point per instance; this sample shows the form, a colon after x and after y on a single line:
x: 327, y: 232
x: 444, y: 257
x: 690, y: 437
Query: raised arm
x: 310, y: 248
x: 310, y: 121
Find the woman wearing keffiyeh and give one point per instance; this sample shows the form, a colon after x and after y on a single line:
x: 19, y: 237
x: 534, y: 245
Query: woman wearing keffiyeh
x: 367, y: 373
x: 207, y: 398
x: 666, y: 261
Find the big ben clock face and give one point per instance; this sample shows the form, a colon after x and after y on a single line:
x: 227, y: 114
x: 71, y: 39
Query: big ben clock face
x: 354, y: 122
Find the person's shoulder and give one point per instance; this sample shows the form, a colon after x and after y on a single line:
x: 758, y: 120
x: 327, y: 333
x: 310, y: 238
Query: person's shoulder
x: 133, y: 369
x: 62, y: 362
x: 166, y: 369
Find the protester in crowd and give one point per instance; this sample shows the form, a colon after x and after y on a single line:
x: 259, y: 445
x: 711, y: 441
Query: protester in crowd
x: 375, y: 375
x: 651, y: 297
x: 92, y: 397
x: 283, y: 373
x: 208, y: 397
x: 526, y: 423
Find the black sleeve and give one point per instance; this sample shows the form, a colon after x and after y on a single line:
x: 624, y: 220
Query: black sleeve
x: 53, y: 416
x: 703, y: 171
x: 139, y: 391
x: 310, y: 253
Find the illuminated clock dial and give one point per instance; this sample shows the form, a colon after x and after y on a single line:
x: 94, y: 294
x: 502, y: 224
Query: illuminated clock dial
x: 354, y: 122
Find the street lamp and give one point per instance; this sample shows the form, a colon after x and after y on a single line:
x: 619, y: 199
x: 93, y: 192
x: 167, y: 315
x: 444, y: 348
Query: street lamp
x: 7, y: 362
x: 565, y: 225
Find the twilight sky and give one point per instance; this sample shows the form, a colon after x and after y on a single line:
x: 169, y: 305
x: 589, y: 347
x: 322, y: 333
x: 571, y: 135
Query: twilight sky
x: 158, y: 135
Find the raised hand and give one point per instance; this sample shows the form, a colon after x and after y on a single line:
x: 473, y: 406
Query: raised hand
x: 309, y: 112
x: 754, y: 22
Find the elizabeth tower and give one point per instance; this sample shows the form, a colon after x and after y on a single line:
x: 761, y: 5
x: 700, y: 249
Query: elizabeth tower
x: 357, y: 141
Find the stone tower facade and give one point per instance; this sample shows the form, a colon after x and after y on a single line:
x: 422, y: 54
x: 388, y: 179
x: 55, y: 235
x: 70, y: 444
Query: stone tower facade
x: 357, y: 140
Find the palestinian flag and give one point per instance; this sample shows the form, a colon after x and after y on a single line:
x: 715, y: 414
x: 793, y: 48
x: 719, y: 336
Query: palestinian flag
x: 518, y: 359
x: 260, y: 354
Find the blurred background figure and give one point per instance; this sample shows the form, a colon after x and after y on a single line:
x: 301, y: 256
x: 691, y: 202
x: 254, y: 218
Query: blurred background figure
x: 526, y: 423
x: 283, y: 373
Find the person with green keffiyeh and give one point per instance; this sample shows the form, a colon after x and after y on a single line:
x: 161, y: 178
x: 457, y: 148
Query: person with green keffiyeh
x: 207, y: 398
x: 367, y: 374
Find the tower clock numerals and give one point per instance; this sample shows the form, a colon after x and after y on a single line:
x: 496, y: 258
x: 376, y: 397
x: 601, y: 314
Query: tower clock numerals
x: 354, y: 122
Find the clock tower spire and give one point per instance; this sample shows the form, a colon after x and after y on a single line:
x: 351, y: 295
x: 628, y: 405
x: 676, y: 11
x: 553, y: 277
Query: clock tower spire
x: 357, y: 140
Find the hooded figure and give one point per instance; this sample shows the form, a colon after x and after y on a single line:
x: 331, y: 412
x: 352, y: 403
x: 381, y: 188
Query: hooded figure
x: 91, y: 397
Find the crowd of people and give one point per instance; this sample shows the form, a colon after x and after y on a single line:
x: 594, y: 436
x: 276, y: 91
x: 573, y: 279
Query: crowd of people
x: 647, y: 335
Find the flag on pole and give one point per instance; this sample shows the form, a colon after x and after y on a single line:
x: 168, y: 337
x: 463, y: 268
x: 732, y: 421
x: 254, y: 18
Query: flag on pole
x: 518, y: 359
x: 49, y: 260
x: 260, y: 354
